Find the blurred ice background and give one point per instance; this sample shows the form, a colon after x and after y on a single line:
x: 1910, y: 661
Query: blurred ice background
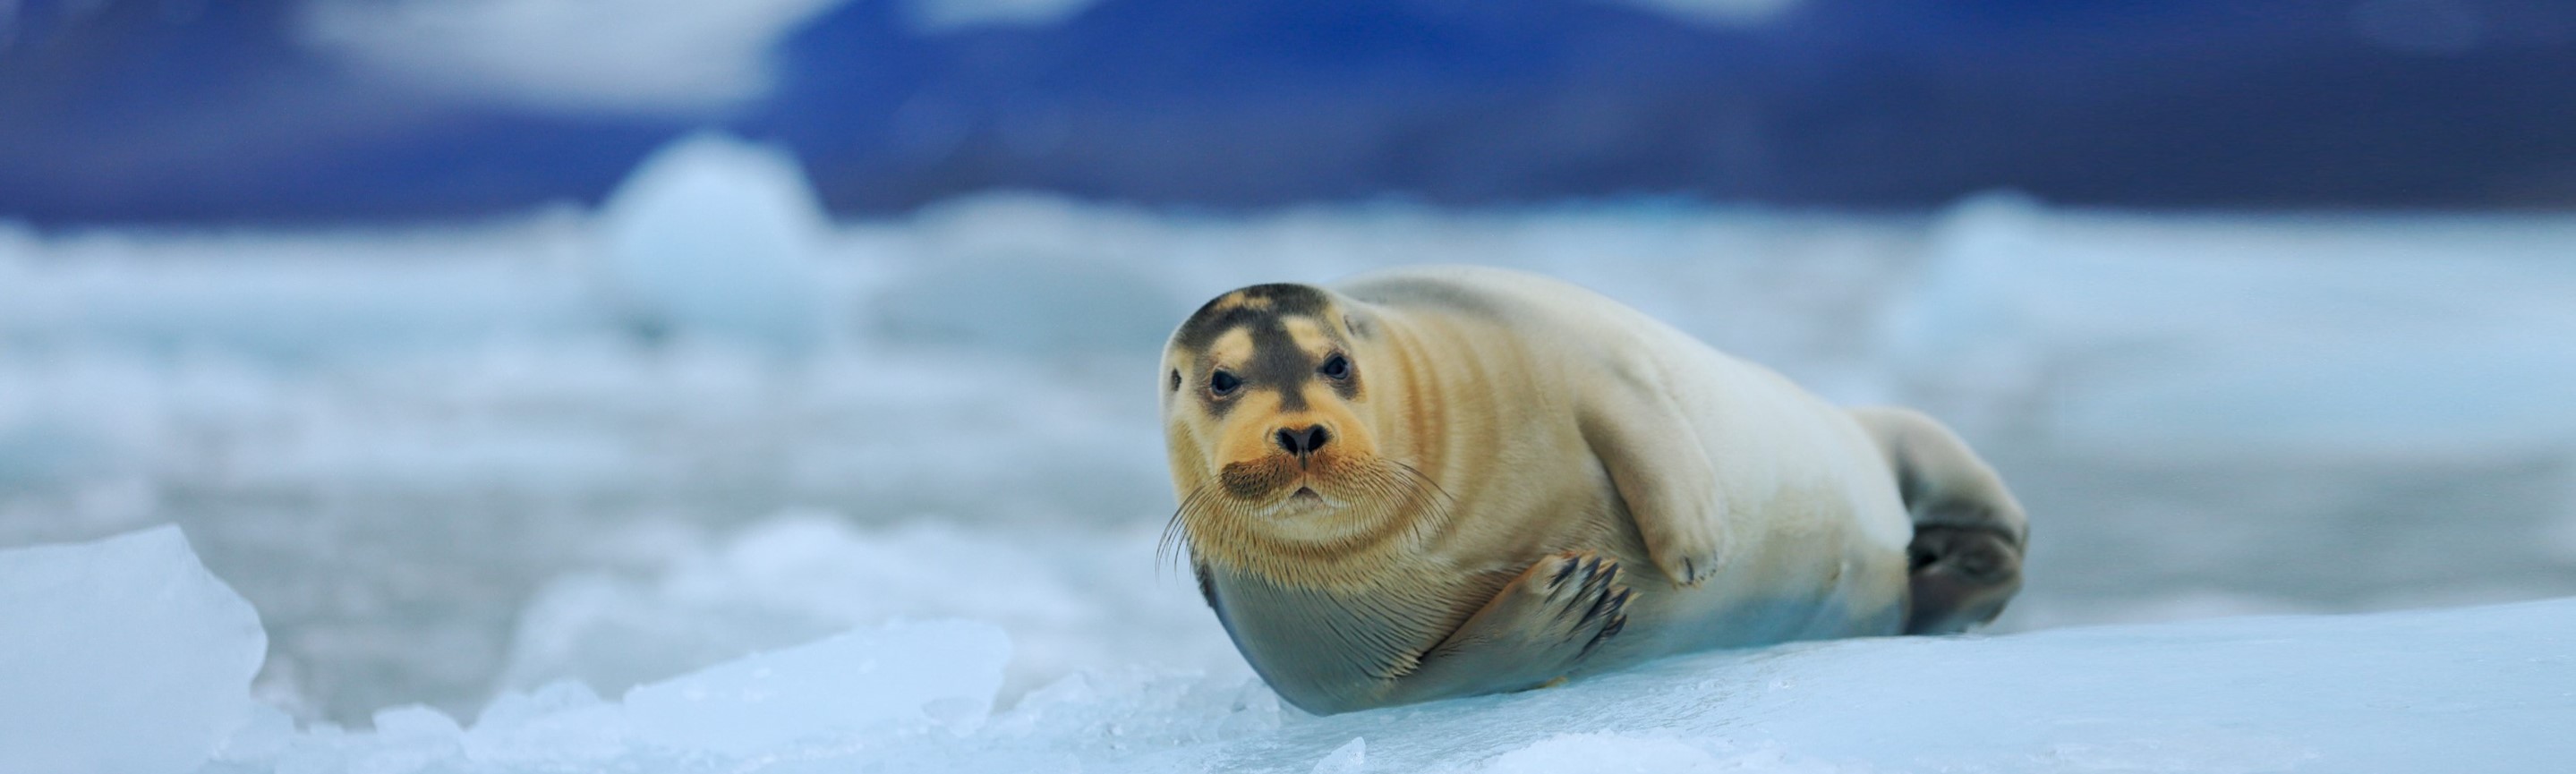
x: 455, y: 441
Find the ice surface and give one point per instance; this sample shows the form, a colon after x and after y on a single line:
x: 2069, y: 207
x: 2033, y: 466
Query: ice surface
x: 129, y: 657
x: 2476, y: 689
x: 1347, y: 759
x: 1083, y: 601
x: 120, y: 656
x: 892, y: 682
x: 854, y: 681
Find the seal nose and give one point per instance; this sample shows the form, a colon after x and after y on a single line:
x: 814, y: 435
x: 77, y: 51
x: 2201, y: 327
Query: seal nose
x: 1303, y: 442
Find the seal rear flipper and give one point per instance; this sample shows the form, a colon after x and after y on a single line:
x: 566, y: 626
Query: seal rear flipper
x: 1959, y: 577
x: 1964, y: 562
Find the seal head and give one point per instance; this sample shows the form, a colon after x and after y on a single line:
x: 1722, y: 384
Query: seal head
x: 1268, y: 416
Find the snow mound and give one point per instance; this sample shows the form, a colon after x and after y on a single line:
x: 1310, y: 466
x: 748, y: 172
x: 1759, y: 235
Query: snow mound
x: 133, y: 659
x: 121, y: 656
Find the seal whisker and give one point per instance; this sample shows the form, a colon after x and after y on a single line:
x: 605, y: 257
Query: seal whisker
x: 1174, y: 533
x: 1418, y: 476
x: 1435, y: 510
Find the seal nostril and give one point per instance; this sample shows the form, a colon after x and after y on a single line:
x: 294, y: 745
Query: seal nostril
x: 1302, y: 443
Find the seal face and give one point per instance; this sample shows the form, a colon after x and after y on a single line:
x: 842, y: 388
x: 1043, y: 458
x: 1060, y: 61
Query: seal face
x: 1444, y: 481
x: 1281, y: 468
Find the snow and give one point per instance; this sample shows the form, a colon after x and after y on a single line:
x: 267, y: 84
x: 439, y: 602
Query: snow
x: 2474, y: 689
x: 122, y: 656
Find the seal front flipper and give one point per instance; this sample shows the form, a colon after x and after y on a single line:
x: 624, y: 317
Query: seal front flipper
x: 1654, y: 457
x: 1533, y: 631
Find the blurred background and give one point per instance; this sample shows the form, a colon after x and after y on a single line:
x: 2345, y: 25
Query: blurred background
x: 482, y: 343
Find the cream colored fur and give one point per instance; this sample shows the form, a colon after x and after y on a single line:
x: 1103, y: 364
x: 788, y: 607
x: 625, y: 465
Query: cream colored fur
x: 1503, y: 419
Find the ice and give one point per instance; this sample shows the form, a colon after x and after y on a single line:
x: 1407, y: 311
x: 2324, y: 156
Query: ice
x: 120, y: 656
x: 1027, y: 307
x: 1642, y: 754
x: 127, y: 656
x: 2339, y: 333
x: 1347, y: 759
x: 716, y: 237
x: 891, y: 682
x: 2472, y: 689
x: 855, y: 681
x: 1089, y: 601
x: 297, y: 297
x: 133, y: 659
x: 443, y: 462
x: 656, y: 58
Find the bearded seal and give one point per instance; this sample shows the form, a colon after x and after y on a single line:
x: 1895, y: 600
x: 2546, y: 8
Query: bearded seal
x: 1446, y: 481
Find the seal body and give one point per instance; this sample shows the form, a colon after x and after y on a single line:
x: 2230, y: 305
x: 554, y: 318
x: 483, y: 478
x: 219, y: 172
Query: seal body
x: 1448, y: 480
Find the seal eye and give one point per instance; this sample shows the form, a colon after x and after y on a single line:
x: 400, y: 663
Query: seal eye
x: 1336, y: 368
x: 1223, y: 383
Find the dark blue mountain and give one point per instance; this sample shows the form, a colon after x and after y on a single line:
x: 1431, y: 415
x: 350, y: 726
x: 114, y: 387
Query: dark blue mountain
x: 131, y: 114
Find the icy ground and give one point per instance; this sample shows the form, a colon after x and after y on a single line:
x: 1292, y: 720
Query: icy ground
x: 703, y: 422
x: 163, y: 655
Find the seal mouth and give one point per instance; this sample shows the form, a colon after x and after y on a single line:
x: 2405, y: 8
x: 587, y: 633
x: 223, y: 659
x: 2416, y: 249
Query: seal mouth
x: 1303, y: 501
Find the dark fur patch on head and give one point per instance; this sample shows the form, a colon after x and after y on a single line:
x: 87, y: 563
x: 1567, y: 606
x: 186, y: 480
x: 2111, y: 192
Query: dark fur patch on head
x: 1248, y: 305
x: 1277, y: 363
